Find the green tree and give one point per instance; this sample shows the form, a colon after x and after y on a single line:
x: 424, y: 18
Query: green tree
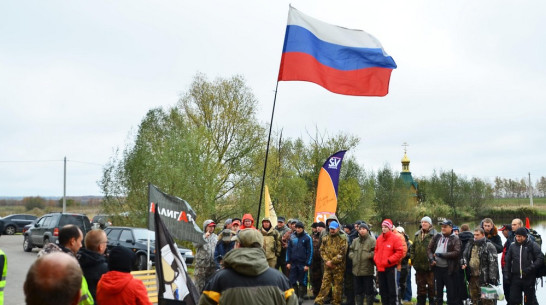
x: 201, y: 150
x: 33, y: 202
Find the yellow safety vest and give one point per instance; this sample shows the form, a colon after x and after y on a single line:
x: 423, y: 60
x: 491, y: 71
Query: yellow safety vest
x: 4, y: 273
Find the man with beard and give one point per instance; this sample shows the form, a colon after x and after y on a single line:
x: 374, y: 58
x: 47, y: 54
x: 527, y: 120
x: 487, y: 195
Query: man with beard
x: 424, y: 277
x: 272, y: 242
x: 492, y: 233
x: 333, y: 249
x: 480, y: 259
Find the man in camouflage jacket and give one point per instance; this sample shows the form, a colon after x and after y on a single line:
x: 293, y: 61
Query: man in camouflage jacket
x: 272, y: 242
x: 424, y: 277
x: 333, y: 250
x: 204, y: 256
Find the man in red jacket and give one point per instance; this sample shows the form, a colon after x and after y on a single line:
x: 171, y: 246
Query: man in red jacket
x: 389, y: 251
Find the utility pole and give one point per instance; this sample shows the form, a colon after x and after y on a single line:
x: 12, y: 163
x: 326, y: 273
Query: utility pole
x: 530, y: 190
x: 451, y: 195
x: 64, y: 187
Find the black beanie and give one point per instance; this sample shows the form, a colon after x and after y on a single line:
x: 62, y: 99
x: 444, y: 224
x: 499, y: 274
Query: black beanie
x: 121, y: 259
x: 521, y: 231
x: 299, y: 224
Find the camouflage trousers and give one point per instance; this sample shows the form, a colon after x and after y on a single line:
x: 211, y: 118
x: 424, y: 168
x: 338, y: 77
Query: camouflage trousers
x: 331, y: 277
x: 425, y: 284
x: 202, y: 275
x: 476, y: 292
x: 272, y: 262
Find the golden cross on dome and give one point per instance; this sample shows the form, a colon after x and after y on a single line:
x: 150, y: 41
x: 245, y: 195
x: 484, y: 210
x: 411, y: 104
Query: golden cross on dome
x: 405, y: 144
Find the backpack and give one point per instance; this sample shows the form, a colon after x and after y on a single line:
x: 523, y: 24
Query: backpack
x: 536, y: 236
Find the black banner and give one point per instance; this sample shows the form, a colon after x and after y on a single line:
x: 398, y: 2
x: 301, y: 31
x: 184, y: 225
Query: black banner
x: 176, y: 214
x: 175, y: 285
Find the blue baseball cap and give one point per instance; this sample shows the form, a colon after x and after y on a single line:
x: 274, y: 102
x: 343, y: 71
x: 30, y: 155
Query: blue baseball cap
x: 333, y: 225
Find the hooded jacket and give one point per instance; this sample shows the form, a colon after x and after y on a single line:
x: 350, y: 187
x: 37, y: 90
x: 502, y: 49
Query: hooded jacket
x: 487, y: 254
x: 389, y: 251
x: 247, y: 279
x: 272, y: 242
x: 418, y: 250
x: 121, y: 288
x: 247, y: 216
x: 523, y: 259
x: 361, y: 254
x: 93, y: 265
x: 465, y: 237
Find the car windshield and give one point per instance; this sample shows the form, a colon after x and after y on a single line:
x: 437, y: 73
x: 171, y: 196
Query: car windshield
x: 142, y: 234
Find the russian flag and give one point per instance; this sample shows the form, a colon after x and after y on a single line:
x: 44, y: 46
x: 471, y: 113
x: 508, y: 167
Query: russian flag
x: 344, y: 61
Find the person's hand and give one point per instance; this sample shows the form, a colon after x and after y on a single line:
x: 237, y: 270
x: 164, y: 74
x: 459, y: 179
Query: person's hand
x: 463, y: 267
x: 207, y: 234
x: 433, y: 263
x: 288, y: 266
x: 305, y: 268
x: 329, y: 264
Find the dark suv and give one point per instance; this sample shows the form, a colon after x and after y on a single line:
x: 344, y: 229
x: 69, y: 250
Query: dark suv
x: 46, y: 229
x: 136, y: 239
x: 15, y: 223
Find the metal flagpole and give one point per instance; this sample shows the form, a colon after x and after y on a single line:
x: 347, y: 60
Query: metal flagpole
x: 267, y: 152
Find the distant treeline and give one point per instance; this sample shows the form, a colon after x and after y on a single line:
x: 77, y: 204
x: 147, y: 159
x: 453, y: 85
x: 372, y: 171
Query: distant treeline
x: 40, y: 202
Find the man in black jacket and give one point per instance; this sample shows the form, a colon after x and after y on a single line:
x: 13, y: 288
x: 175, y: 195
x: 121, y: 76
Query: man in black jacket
x: 523, y: 259
x: 92, y: 259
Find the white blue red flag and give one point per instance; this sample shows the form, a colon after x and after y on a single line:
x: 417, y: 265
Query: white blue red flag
x: 344, y: 61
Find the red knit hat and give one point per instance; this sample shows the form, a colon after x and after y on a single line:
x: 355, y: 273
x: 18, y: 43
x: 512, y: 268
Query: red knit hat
x: 388, y: 223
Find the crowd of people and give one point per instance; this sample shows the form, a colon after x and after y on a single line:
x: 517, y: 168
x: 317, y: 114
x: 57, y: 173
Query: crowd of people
x: 276, y: 263
x: 350, y: 263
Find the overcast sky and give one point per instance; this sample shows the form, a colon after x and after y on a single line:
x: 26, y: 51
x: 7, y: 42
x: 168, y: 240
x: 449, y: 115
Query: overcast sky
x: 77, y: 77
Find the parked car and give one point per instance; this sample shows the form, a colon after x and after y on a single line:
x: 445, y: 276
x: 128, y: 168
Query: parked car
x: 25, y: 228
x: 46, y: 229
x: 136, y: 239
x: 101, y: 220
x: 15, y: 223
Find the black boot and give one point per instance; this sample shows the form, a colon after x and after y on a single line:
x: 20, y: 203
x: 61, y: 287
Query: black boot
x: 359, y: 298
x: 370, y: 299
x: 302, y: 294
x: 421, y: 300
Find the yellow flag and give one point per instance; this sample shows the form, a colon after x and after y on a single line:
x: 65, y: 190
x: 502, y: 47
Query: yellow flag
x: 269, y: 209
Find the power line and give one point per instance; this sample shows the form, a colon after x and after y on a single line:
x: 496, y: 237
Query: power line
x: 45, y: 161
